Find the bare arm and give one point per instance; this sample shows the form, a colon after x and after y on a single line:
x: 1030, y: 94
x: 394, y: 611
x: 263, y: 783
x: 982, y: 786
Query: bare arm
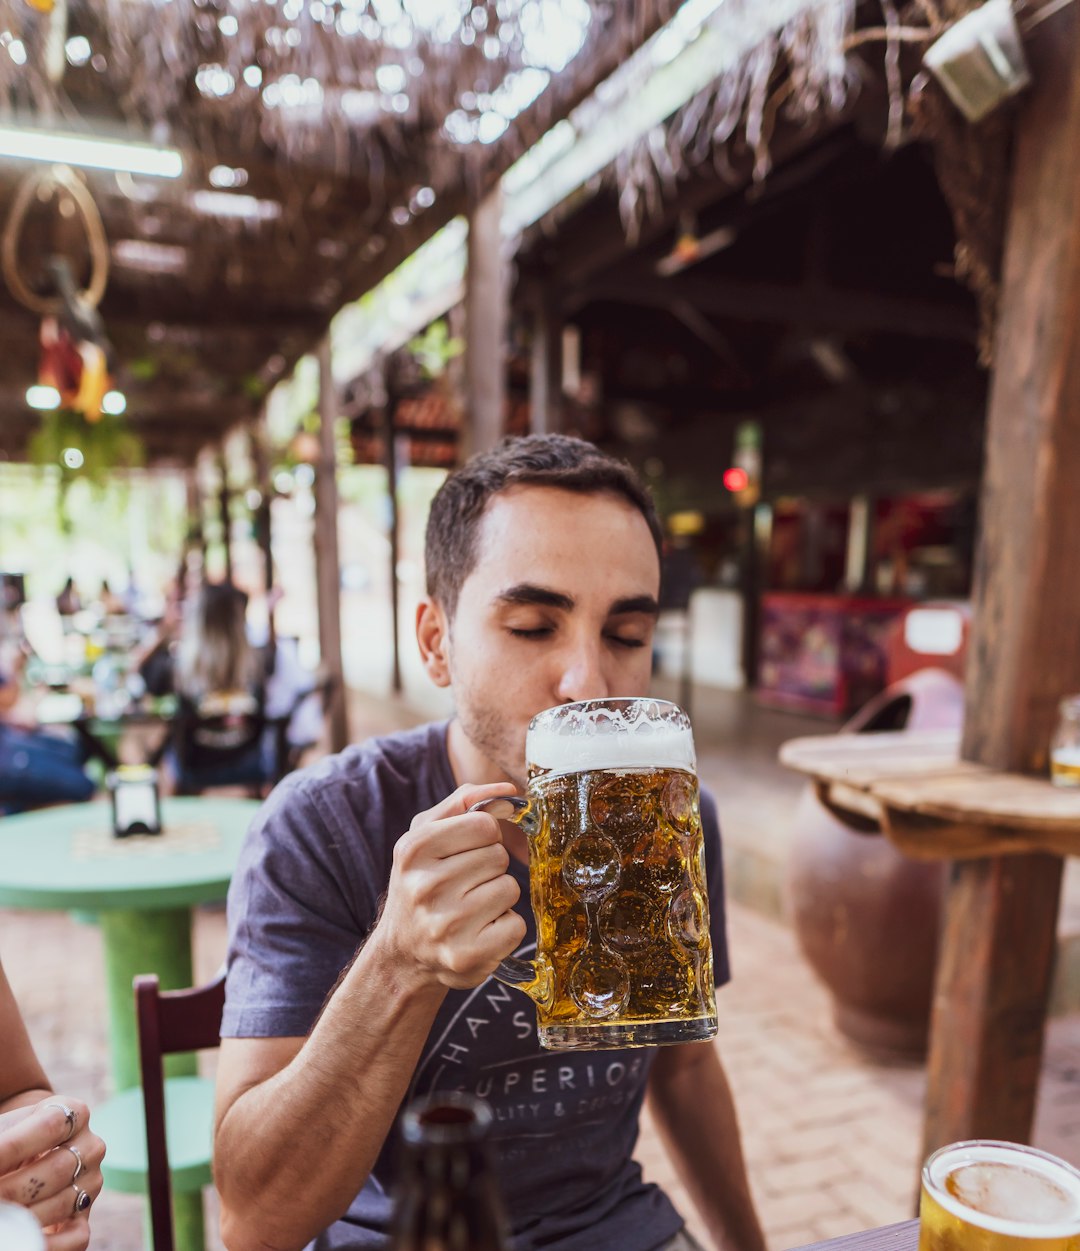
x: 692, y: 1106
x: 300, y: 1122
x: 36, y: 1167
x: 22, y: 1079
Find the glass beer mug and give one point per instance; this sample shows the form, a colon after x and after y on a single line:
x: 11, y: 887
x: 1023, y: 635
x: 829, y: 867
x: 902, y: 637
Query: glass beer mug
x: 616, y: 877
x: 998, y: 1196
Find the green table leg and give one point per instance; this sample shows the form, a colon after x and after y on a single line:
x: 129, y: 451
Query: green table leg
x: 151, y: 941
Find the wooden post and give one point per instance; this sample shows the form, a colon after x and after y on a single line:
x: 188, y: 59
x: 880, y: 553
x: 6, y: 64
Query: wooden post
x: 260, y: 460
x: 224, y: 503
x: 260, y: 463
x: 327, y: 562
x: 485, y: 328
x: 990, y: 999
x: 545, y: 377
x: 195, y: 539
x: 389, y: 439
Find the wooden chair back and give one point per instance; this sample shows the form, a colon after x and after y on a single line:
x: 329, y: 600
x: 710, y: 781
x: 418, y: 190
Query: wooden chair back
x: 169, y: 1021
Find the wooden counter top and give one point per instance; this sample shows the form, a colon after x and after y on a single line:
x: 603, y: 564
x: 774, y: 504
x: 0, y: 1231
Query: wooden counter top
x: 931, y: 803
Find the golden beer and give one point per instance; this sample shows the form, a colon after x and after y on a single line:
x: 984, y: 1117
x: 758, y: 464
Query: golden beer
x: 617, y: 878
x: 1065, y: 766
x: 998, y: 1196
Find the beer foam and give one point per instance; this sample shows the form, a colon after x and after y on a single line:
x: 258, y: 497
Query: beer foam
x: 590, y: 738
x: 1007, y: 1190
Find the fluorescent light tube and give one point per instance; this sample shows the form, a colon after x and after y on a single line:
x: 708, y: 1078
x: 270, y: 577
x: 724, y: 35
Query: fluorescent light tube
x: 91, y: 153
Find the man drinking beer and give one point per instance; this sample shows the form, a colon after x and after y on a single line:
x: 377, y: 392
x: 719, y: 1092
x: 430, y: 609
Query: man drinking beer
x: 372, y: 906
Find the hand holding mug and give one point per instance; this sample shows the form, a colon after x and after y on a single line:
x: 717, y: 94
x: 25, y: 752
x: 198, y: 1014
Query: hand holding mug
x: 448, y: 910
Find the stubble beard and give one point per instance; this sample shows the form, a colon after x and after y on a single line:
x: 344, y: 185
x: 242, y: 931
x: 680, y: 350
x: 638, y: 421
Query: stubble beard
x: 492, y: 736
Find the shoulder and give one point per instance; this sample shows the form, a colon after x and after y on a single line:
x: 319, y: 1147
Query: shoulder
x: 379, y: 778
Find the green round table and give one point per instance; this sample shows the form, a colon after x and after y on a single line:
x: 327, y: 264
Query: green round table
x: 141, y: 892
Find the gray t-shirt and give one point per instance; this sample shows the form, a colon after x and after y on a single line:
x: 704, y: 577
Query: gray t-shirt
x: 306, y: 892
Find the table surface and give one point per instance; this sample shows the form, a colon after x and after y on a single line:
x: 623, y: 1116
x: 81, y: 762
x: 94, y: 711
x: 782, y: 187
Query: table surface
x: 921, y: 774
x: 64, y: 858
x: 902, y: 1237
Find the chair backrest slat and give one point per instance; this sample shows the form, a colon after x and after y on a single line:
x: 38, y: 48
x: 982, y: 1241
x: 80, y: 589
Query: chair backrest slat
x: 169, y: 1021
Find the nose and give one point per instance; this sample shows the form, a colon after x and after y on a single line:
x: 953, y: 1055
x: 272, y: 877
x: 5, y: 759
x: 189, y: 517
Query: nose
x: 581, y: 675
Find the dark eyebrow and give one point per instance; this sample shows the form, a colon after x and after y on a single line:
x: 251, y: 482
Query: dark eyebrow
x: 636, y: 603
x: 530, y: 593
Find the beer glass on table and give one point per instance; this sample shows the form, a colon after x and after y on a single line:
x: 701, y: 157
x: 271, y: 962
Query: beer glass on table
x: 1065, y: 745
x: 998, y: 1196
x: 616, y: 877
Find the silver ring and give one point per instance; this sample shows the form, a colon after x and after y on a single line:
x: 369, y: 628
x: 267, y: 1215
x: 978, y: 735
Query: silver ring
x: 78, y: 1163
x: 72, y: 1120
x: 82, y: 1200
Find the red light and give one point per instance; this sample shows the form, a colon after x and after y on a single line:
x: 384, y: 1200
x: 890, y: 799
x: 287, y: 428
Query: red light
x: 736, y: 479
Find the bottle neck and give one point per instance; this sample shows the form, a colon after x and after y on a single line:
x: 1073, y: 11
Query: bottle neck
x: 447, y: 1196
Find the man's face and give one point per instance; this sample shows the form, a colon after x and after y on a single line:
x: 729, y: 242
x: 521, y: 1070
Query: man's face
x: 561, y: 605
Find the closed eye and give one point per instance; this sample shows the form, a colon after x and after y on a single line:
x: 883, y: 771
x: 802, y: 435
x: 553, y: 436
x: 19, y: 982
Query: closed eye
x: 539, y: 633
x: 620, y: 641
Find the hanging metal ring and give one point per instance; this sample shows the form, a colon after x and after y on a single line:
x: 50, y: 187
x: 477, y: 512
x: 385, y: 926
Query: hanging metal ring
x: 54, y: 179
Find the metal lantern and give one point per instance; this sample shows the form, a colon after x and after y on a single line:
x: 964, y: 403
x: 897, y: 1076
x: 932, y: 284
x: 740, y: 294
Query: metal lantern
x: 979, y: 60
x: 136, y: 800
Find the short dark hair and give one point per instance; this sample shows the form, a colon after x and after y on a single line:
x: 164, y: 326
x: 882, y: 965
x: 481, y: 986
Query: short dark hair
x: 551, y: 460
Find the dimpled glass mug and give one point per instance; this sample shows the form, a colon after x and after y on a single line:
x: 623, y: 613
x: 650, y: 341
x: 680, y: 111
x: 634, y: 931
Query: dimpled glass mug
x: 616, y: 877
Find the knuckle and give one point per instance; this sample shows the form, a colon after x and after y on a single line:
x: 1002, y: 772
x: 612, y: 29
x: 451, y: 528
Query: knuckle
x: 405, y: 848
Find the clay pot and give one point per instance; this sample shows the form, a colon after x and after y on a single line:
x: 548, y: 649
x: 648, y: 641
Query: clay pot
x: 866, y: 916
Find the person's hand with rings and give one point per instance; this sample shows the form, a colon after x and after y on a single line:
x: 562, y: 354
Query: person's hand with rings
x: 50, y: 1163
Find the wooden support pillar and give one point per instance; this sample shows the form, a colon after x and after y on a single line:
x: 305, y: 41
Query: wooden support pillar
x: 260, y: 463
x: 327, y: 561
x: 195, y: 539
x: 389, y: 440
x: 545, y: 377
x: 990, y: 998
x: 224, y: 508
x: 485, y: 328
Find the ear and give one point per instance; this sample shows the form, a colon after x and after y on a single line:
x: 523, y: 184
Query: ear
x: 433, y: 638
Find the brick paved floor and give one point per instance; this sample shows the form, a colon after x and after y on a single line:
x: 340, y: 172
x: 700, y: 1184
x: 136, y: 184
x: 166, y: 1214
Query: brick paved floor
x: 832, y: 1138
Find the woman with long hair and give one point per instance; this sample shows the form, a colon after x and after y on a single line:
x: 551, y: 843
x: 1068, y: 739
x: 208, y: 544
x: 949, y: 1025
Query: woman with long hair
x: 220, y: 682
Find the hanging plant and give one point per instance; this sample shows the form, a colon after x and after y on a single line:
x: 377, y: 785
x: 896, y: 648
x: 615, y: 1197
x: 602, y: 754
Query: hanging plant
x: 84, y: 449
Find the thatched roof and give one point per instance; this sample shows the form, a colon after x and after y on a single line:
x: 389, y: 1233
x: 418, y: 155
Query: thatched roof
x: 358, y: 128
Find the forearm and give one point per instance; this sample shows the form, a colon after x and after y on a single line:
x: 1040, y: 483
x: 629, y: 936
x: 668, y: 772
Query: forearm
x: 694, y: 1111
x: 22, y: 1079
x: 292, y: 1152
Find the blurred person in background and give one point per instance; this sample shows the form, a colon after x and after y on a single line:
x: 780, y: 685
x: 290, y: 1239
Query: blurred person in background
x: 68, y: 602
x: 36, y: 767
x: 50, y: 1161
x: 207, y: 656
x: 219, y: 679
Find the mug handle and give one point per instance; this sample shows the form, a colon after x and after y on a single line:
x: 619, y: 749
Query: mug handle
x: 531, y: 976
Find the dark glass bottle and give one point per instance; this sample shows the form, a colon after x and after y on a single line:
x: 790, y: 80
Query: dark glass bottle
x: 447, y: 1198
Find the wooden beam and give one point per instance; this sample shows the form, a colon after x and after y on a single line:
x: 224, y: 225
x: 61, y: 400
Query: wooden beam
x: 485, y: 327
x: 545, y: 370
x: 327, y: 560
x: 224, y: 502
x: 258, y: 442
x: 836, y: 309
x: 390, y: 461
x: 993, y: 981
